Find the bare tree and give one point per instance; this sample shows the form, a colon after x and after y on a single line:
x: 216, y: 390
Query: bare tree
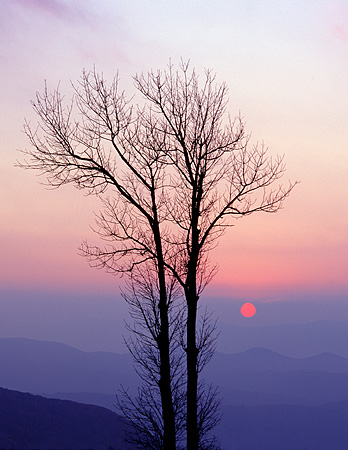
x: 113, y: 154
x: 143, y: 411
x: 172, y: 176
x: 216, y: 177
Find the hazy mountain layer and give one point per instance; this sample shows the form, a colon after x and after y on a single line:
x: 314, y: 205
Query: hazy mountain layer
x: 270, y: 400
x: 284, y: 427
x: 38, y: 366
x: 254, y: 377
x: 296, y: 340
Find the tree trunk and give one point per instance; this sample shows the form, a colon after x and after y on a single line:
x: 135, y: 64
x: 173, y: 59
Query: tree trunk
x: 169, y: 434
x: 192, y: 354
x: 192, y: 376
x: 169, y: 438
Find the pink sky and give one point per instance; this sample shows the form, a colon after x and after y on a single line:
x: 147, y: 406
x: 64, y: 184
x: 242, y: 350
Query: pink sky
x: 286, y: 64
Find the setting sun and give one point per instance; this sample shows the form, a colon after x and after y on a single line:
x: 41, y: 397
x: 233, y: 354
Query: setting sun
x: 248, y: 310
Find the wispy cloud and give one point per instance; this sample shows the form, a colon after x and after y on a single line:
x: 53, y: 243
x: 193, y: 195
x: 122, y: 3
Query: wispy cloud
x: 55, y: 8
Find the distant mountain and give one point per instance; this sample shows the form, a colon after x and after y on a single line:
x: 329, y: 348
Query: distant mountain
x: 265, y: 359
x: 275, y: 427
x: 296, y: 340
x: 48, y: 367
x: 270, y: 401
x: 255, y: 377
x: 88, y: 398
x: 33, y: 422
x: 306, y: 381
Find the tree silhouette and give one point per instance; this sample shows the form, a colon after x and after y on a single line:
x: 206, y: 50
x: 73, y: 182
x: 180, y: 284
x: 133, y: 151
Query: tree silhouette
x: 144, y: 411
x: 171, y: 174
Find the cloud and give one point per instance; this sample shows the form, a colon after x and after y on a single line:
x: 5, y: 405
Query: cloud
x: 55, y: 8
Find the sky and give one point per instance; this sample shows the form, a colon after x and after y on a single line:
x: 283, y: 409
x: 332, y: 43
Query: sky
x: 286, y: 65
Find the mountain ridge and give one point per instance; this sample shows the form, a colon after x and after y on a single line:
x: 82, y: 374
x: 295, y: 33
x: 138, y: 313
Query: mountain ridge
x: 265, y: 394
x: 30, y: 421
x: 62, y: 424
x: 290, y: 339
x: 46, y: 368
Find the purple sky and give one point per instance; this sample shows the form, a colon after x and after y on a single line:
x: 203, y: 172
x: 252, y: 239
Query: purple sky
x: 286, y: 65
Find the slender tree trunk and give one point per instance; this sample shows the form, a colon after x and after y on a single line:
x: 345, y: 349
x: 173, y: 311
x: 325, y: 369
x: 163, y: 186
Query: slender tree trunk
x: 192, y: 354
x: 169, y: 438
x: 192, y: 376
x: 169, y: 434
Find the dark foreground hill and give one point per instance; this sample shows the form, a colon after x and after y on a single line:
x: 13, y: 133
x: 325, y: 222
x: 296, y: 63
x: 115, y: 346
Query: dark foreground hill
x: 33, y: 422
x: 30, y: 421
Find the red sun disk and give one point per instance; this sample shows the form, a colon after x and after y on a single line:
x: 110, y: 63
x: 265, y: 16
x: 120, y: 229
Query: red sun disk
x: 248, y: 310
